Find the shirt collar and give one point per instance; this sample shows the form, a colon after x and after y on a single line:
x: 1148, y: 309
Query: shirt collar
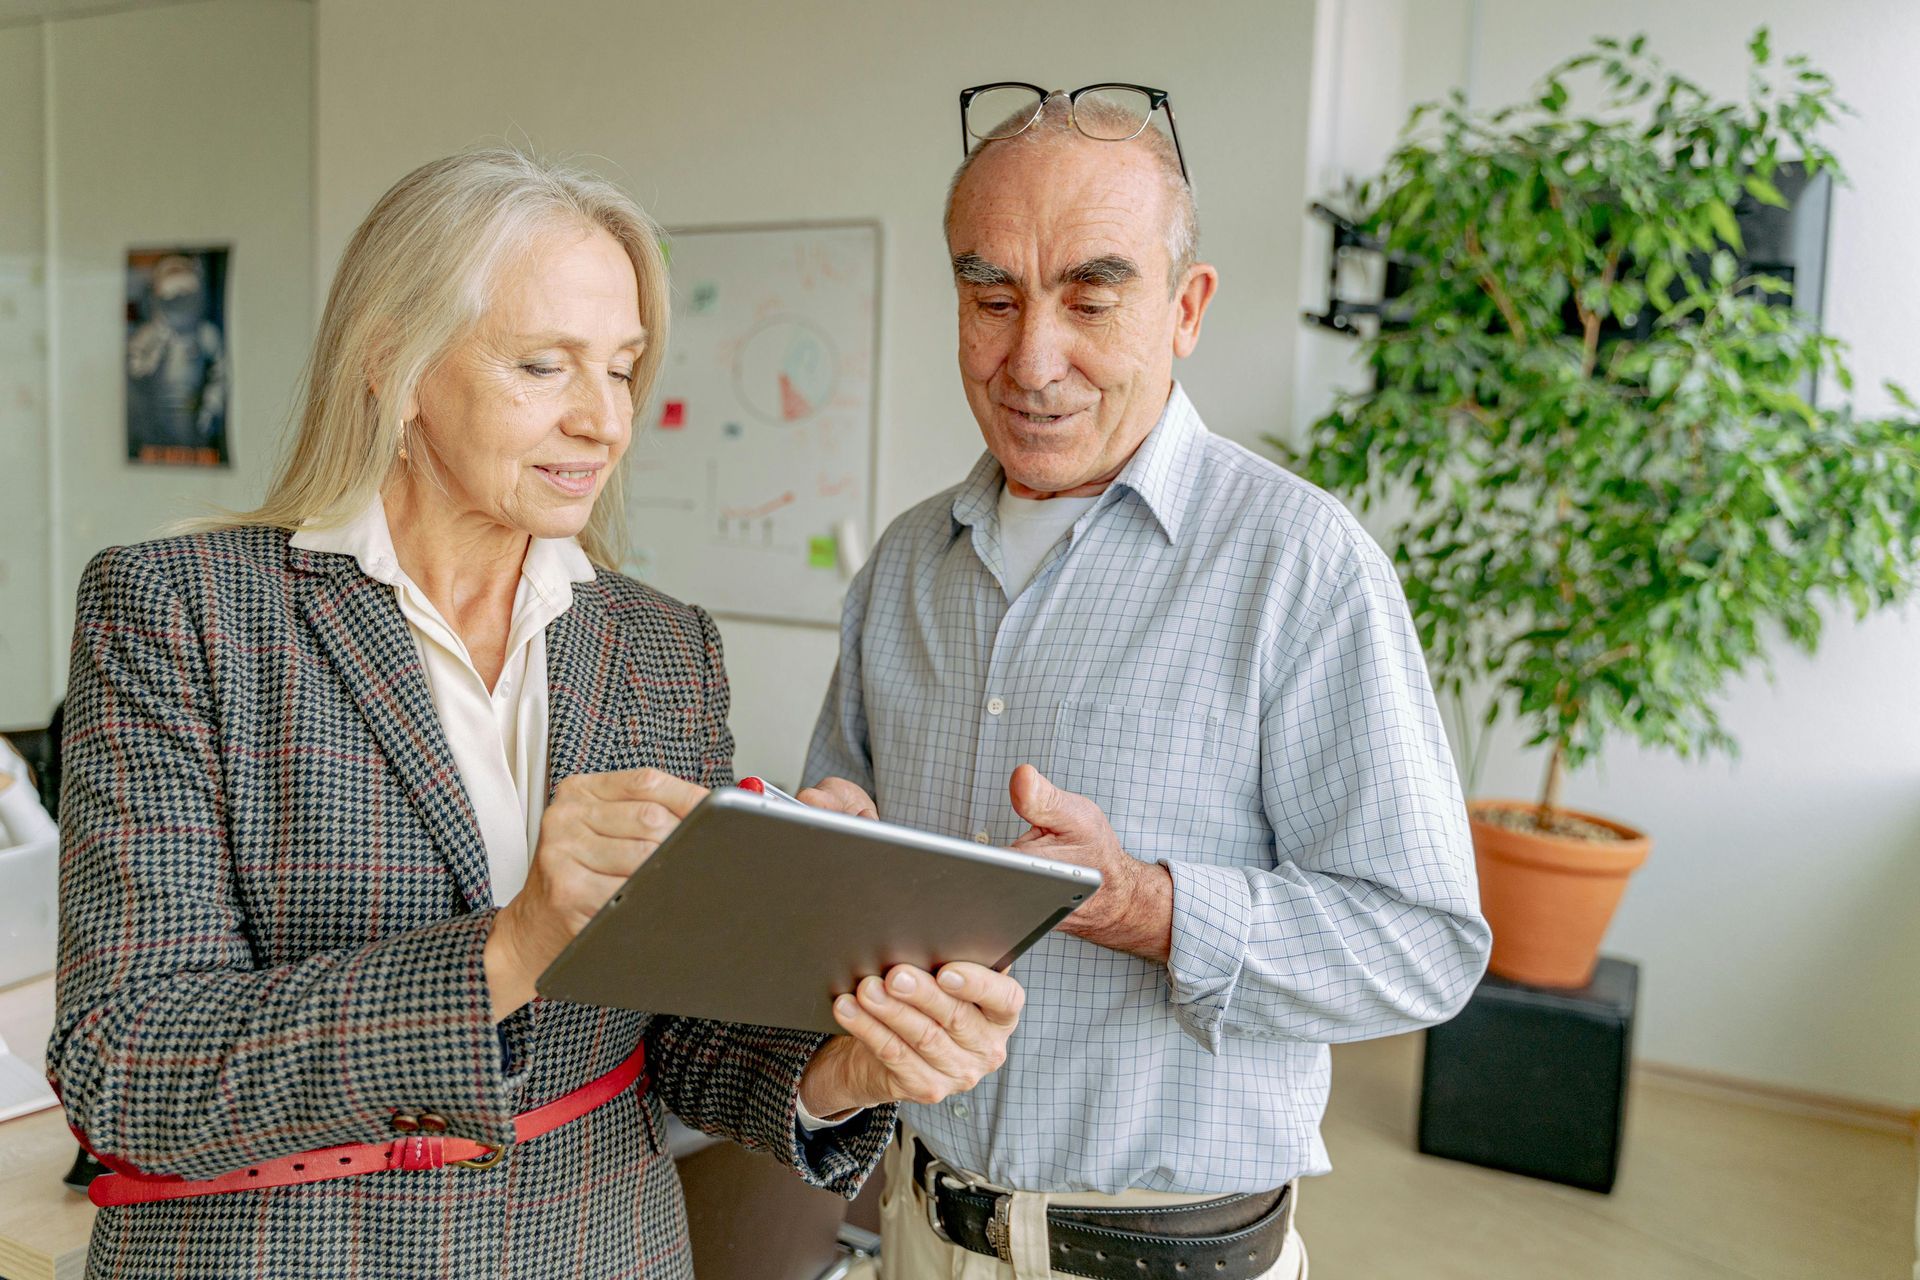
x: 1161, y: 472
x: 551, y: 567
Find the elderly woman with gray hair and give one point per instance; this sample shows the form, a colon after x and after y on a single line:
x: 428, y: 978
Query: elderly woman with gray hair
x: 346, y: 772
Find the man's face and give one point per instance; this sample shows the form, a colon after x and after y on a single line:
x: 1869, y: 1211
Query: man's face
x: 1067, y: 329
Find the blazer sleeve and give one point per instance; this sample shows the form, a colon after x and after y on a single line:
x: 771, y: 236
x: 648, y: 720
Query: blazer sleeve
x: 743, y: 1082
x: 175, y: 1050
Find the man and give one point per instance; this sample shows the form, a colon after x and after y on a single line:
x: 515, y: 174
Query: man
x: 1184, y: 667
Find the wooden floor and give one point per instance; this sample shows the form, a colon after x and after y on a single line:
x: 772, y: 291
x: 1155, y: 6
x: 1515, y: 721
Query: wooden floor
x: 1709, y: 1189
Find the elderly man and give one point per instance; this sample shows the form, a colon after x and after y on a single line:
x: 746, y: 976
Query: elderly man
x: 1126, y: 642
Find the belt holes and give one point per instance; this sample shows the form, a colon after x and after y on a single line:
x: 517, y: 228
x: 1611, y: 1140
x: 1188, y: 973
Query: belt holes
x: 1179, y: 1266
x: 253, y: 1173
x: 299, y: 1168
x: 349, y: 1160
x: 1101, y: 1254
x: 1140, y: 1263
x: 1220, y: 1264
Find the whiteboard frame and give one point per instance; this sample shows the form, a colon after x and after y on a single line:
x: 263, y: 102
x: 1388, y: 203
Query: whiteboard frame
x: 879, y: 228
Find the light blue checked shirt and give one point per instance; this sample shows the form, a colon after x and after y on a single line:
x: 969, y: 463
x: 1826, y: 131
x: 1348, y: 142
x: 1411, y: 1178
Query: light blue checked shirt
x: 1220, y: 657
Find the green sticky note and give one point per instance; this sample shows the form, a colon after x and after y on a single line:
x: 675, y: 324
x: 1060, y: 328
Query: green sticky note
x: 823, y: 553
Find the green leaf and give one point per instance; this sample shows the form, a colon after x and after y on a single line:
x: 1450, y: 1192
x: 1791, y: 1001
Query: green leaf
x: 1725, y: 225
x: 1764, y: 191
x: 1759, y: 46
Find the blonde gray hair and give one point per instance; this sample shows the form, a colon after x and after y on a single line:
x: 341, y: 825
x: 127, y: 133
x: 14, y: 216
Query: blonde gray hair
x: 414, y: 282
x: 1055, y: 124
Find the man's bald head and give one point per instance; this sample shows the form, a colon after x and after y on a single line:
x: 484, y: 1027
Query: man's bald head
x: 1054, y: 127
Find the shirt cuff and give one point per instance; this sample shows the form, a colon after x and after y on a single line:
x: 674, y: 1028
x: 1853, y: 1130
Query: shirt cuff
x: 810, y: 1123
x: 1212, y: 920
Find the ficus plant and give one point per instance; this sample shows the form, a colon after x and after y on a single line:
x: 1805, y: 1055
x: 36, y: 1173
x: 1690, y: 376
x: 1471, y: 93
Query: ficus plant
x: 1614, y: 489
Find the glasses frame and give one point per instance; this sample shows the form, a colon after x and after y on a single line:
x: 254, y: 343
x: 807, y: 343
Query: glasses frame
x: 1157, y: 100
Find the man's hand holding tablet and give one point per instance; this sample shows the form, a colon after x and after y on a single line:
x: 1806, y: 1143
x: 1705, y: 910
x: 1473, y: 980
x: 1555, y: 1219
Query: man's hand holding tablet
x: 914, y: 1039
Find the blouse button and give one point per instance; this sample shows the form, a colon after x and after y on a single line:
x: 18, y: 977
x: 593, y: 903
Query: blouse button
x: 405, y: 1122
x: 431, y: 1123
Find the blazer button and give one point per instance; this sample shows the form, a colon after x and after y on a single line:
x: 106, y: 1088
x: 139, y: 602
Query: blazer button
x: 431, y: 1123
x: 405, y: 1122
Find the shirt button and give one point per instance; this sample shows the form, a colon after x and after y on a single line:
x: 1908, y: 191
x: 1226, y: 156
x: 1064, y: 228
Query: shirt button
x: 981, y: 837
x: 995, y: 706
x: 959, y: 1109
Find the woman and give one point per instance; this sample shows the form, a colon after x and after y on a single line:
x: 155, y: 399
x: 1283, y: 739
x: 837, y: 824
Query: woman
x: 312, y: 860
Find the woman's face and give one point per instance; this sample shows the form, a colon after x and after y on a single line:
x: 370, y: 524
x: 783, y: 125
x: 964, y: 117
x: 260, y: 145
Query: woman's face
x: 527, y: 418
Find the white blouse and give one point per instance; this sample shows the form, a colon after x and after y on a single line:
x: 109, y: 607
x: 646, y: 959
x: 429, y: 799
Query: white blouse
x: 498, y: 737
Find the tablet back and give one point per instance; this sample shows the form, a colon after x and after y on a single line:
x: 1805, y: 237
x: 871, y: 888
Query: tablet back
x: 761, y: 911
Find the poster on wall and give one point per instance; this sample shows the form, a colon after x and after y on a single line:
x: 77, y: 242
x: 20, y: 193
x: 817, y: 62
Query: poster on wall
x: 176, y: 367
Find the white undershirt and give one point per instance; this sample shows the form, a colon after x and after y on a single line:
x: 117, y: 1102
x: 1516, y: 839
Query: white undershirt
x: 1029, y: 529
x: 498, y: 737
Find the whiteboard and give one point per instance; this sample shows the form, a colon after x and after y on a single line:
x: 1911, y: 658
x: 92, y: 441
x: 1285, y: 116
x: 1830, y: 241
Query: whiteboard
x: 750, y: 480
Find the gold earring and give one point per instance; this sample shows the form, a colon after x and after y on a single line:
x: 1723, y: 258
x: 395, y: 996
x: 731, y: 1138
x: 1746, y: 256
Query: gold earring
x: 403, y: 442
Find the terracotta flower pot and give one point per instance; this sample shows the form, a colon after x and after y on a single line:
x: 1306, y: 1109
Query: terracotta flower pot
x: 1549, y: 898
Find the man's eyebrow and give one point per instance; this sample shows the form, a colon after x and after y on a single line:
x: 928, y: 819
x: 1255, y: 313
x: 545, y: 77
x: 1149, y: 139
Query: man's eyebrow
x: 971, y: 268
x: 1108, y: 270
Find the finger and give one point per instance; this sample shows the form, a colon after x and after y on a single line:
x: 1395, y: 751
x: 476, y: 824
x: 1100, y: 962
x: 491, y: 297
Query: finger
x: 926, y: 1039
x: 629, y: 820
x: 908, y: 1077
x: 603, y: 855
x: 1044, y: 805
x: 966, y: 1025
x: 677, y: 794
x: 841, y: 796
x: 999, y: 997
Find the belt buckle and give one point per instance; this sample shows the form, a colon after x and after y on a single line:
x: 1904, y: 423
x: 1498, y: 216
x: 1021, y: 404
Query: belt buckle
x: 1000, y: 1230
x: 930, y: 1191
x: 486, y: 1161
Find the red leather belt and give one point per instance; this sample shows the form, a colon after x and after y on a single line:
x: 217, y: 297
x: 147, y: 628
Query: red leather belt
x: 416, y: 1151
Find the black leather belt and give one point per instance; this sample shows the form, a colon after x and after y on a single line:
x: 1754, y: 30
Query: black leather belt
x: 1232, y: 1238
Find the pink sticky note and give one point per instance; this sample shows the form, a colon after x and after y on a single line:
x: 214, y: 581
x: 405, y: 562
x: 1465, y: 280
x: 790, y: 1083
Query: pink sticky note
x: 673, y: 415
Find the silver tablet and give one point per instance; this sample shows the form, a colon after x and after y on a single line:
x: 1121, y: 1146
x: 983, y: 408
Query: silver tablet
x: 759, y: 910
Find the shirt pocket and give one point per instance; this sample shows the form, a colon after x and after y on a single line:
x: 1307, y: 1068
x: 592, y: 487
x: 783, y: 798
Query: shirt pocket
x: 1150, y: 767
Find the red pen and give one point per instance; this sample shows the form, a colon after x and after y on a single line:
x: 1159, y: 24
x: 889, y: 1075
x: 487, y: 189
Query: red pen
x: 761, y: 787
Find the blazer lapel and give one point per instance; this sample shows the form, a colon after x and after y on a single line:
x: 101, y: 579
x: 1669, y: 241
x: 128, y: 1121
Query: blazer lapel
x: 586, y: 682
x: 359, y: 624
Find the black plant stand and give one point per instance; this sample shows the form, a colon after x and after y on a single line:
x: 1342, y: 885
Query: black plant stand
x: 1533, y: 1080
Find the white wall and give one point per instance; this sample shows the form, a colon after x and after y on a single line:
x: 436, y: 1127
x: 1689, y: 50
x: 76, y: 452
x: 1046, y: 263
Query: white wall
x: 1776, y: 918
x: 26, y: 690
x: 181, y: 125
x: 188, y: 124
x: 729, y: 111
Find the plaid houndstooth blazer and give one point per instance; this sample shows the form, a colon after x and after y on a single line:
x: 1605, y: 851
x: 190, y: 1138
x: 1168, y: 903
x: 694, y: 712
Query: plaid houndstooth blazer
x: 274, y: 899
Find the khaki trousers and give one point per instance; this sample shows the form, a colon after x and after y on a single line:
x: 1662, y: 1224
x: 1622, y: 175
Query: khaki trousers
x: 910, y: 1250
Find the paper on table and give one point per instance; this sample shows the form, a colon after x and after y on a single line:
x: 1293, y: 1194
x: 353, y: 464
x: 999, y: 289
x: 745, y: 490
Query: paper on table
x: 22, y: 1089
